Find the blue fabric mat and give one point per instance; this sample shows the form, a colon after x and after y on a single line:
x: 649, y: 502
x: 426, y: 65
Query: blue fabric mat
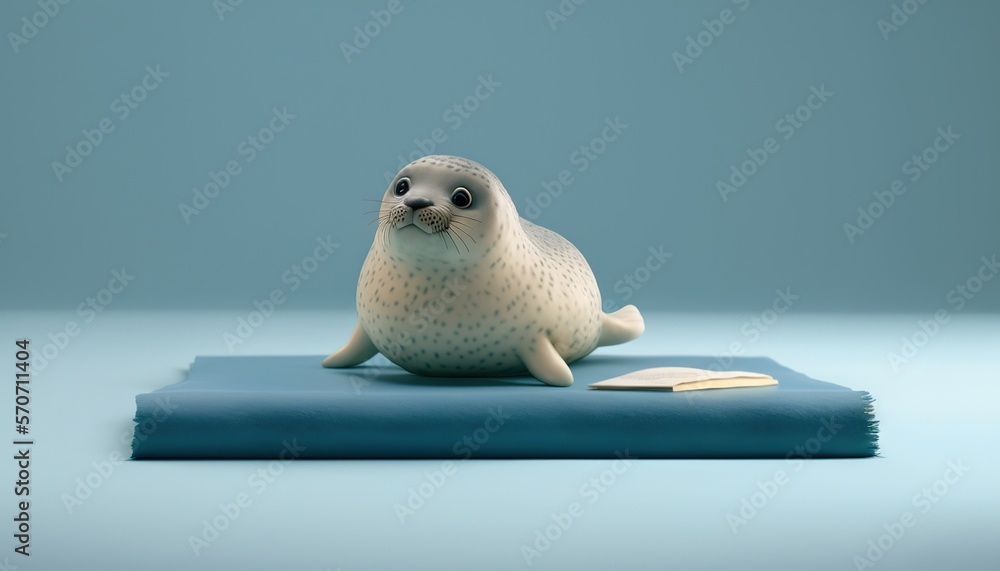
x: 258, y: 407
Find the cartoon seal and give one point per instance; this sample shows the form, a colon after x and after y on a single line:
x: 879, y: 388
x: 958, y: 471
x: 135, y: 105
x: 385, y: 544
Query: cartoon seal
x: 456, y: 284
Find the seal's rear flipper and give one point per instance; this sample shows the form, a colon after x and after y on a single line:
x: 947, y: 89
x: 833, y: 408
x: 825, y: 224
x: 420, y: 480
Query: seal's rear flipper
x: 621, y: 326
x: 359, y: 349
x: 545, y: 363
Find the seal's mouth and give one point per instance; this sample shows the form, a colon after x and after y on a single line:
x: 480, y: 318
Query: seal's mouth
x: 403, y: 221
x: 406, y: 225
x: 430, y: 219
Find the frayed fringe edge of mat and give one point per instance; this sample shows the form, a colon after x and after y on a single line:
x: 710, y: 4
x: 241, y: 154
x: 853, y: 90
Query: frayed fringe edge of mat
x: 871, y: 424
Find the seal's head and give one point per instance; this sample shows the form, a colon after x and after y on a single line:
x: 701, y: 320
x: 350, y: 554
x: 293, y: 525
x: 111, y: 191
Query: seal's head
x: 443, y: 208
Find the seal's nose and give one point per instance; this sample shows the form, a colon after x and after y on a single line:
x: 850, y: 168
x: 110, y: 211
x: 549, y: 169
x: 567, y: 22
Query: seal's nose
x: 417, y: 202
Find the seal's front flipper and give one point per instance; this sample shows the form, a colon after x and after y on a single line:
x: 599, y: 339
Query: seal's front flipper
x: 545, y: 363
x: 621, y: 326
x: 359, y: 349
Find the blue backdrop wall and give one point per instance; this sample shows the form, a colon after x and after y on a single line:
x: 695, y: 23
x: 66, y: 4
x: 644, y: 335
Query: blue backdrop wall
x: 701, y: 154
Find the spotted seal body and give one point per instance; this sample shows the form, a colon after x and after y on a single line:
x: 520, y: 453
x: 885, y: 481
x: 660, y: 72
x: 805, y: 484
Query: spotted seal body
x: 457, y: 284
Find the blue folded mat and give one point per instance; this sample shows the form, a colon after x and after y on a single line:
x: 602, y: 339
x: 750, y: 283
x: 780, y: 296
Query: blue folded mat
x: 265, y: 406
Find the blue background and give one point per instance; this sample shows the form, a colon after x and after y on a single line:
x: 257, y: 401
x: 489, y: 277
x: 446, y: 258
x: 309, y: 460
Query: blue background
x: 654, y: 186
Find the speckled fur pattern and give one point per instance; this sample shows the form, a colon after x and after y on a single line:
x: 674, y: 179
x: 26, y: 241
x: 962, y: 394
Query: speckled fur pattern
x: 447, y: 291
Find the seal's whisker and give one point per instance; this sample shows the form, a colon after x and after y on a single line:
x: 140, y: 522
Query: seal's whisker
x: 461, y: 224
x: 383, y: 234
x: 467, y: 234
x: 379, y: 219
x: 466, y: 217
x: 448, y: 233
x: 467, y: 249
x: 449, y: 236
x: 459, y: 228
x: 455, y: 235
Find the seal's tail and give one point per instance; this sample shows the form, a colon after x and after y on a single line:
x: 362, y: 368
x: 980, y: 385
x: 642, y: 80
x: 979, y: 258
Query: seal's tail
x: 621, y: 326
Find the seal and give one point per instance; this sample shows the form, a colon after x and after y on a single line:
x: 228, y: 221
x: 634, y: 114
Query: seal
x: 457, y: 284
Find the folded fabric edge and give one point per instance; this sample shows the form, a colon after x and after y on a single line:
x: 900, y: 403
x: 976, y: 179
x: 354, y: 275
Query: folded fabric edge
x: 145, y: 426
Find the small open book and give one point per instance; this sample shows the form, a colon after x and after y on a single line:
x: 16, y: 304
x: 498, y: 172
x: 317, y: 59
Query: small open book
x: 684, y: 379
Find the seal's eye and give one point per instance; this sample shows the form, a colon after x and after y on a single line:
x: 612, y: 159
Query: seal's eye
x: 461, y: 198
x: 402, y: 187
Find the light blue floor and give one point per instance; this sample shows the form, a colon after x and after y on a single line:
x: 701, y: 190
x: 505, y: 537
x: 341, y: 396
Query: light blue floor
x: 938, y: 409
